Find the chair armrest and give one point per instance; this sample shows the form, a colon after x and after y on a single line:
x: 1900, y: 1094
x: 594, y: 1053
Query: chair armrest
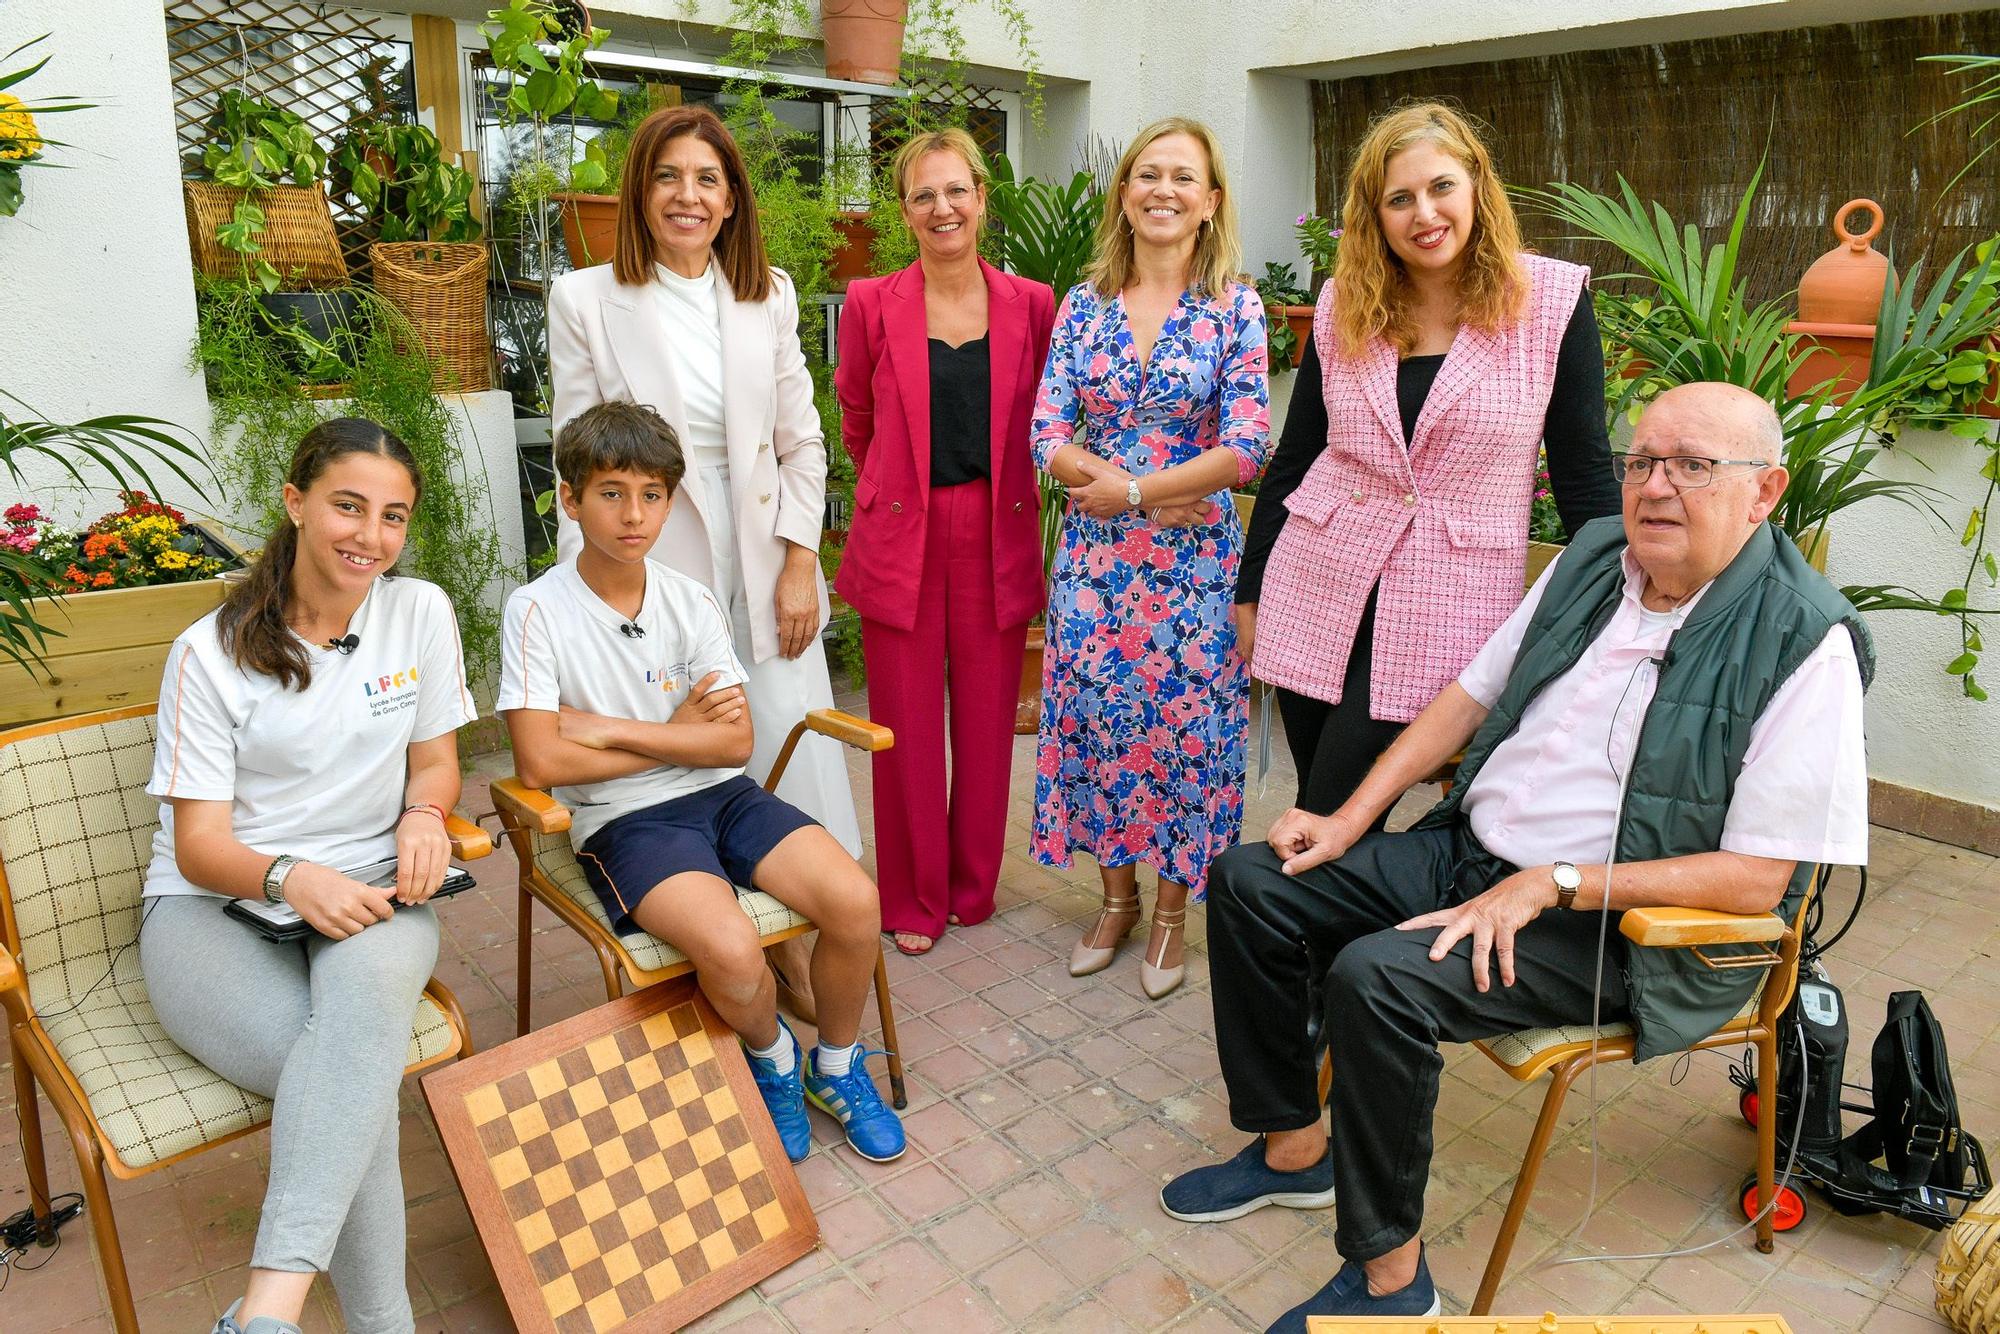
x: 468, y: 841
x: 850, y: 730
x: 1681, y: 927
x: 524, y: 807
x: 14, y: 990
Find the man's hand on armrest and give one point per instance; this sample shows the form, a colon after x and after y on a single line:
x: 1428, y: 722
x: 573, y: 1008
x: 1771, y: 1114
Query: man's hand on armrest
x: 1305, y: 840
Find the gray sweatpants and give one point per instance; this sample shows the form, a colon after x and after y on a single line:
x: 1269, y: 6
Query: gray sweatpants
x: 322, y: 1028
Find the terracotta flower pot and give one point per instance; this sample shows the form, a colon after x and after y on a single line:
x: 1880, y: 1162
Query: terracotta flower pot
x: 1299, y: 319
x: 1839, y: 299
x: 851, y: 257
x: 590, y: 227
x: 1028, y: 702
x: 864, y: 39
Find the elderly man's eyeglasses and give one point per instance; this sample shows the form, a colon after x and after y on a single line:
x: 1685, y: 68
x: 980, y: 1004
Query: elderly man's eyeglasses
x: 1684, y: 471
x: 923, y: 201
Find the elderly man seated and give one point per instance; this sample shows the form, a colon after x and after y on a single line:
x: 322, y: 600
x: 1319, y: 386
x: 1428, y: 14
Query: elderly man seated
x: 1680, y: 696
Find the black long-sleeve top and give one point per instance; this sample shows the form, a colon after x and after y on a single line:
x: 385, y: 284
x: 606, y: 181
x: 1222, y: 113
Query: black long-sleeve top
x: 1573, y: 431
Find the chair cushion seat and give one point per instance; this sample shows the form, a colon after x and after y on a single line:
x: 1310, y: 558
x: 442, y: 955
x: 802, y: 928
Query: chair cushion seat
x: 557, y: 863
x: 1527, y: 1052
x: 153, y: 1100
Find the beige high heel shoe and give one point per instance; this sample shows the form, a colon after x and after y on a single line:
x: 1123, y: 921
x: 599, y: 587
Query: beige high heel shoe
x: 1155, y: 980
x: 1086, y: 959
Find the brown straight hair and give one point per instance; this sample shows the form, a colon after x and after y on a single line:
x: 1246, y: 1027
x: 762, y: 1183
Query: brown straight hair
x: 251, y: 623
x: 739, y: 246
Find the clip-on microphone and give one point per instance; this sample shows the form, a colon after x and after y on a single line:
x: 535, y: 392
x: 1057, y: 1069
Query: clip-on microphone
x: 344, y: 644
x: 632, y: 630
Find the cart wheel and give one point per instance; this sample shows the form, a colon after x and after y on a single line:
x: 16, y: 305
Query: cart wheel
x: 1788, y: 1211
x: 1747, y: 1105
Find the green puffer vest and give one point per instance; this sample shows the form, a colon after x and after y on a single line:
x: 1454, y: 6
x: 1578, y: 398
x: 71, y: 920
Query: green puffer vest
x: 1761, y: 618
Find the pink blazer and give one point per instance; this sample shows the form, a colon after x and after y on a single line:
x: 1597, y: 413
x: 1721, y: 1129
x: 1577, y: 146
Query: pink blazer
x: 1443, y: 525
x: 604, y: 343
x: 884, y: 383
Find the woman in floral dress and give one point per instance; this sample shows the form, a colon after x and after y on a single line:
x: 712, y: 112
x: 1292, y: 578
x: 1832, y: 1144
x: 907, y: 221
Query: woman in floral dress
x: 1160, y: 358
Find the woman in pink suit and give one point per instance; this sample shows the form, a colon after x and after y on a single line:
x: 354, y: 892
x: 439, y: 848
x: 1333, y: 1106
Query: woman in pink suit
x: 937, y: 375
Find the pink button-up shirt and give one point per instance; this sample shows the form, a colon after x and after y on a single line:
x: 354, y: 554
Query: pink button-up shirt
x: 1550, y: 791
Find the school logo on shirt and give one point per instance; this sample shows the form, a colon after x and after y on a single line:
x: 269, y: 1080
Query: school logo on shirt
x: 669, y: 679
x: 391, y: 693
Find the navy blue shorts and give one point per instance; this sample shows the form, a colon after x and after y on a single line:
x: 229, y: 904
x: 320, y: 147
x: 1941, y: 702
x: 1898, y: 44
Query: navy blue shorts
x: 724, y: 830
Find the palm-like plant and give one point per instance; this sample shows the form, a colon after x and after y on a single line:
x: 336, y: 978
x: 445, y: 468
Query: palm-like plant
x: 1983, y: 100
x: 114, y: 445
x: 1695, y: 322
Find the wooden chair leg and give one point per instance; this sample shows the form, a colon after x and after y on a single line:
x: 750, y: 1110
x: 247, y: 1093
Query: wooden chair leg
x: 28, y: 1110
x: 888, y: 1012
x: 524, y: 962
x: 110, y: 1254
x: 1325, y: 1075
x: 1524, y: 1184
x: 1767, y: 1139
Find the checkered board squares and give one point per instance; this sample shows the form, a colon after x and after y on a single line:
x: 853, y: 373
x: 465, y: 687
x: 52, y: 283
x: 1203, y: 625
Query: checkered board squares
x: 620, y: 1177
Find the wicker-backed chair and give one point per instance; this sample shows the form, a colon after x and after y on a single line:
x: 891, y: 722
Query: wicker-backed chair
x: 538, y: 827
x: 76, y: 832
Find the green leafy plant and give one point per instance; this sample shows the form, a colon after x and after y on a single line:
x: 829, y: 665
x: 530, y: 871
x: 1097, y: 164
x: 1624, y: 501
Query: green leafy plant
x: 1319, y: 241
x: 113, y: 448
x: 1280, y: 287
x: 256, y: 147
x: 404, y: 186
x: 22, y: 143
x: 1690, y: 319
x: 1943, y: 336
x: 1046, y: 231
x: 1982, y: 99
x: 261, y: 406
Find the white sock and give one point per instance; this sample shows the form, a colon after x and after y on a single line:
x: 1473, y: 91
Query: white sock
x: 835, y: 1060
x: 783, y: 1054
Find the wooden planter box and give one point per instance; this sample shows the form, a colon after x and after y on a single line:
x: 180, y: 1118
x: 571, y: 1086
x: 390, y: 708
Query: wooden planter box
x: 113, y: 647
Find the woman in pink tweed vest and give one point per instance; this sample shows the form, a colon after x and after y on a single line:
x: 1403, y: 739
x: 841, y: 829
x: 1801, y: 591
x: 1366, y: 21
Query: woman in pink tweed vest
x: 1391, y: 533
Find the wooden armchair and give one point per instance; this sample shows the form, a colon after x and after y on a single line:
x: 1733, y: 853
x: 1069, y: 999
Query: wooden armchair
x: 1568, y: 1052
x: 538, y: 827
x: 76, y: 833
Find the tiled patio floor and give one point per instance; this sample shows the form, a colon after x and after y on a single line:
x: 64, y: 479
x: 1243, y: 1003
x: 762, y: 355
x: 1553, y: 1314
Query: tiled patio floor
x: 1045, y: 1111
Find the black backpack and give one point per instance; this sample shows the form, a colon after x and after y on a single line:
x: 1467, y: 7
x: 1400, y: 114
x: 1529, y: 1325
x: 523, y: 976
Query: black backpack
x: 1915, y: 1131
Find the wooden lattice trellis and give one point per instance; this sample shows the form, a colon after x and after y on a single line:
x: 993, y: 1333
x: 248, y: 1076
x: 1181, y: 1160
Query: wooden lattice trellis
x: 327, y: 64
x: 979, y: 109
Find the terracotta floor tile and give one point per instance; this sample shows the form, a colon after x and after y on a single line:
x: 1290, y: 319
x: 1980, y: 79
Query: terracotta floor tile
x: 1023, y: 1284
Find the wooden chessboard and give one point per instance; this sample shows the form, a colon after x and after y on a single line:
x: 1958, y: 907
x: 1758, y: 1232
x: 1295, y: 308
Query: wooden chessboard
x: 620, y: 1166
x: 1551, y: 1323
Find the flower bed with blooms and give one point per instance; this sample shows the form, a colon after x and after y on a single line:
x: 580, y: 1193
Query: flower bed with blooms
x: 1544, y: 523
x: 143, y: 543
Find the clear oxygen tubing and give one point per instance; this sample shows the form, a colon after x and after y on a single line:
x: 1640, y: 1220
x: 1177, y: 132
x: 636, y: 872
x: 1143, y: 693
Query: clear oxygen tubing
x: 1783, y: 1178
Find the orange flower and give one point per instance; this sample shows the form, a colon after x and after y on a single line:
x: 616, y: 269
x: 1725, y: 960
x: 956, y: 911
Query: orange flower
x: 102, y: 579
x: 75, y: 576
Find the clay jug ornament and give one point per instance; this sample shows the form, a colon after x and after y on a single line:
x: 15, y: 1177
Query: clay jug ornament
x: 1840, y: 297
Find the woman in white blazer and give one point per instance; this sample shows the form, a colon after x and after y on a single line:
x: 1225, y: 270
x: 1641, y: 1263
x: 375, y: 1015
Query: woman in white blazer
x: 690, y: 319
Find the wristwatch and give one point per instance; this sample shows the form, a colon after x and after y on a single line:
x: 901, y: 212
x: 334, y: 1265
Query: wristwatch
x: 1568, y: 881
x: 274, y: 877
x: 1132, y: 493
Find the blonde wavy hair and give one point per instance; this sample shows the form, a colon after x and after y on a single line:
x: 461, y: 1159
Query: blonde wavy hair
x: 1218, y: 247
x: 1372, y: 291
x: 950, y: 139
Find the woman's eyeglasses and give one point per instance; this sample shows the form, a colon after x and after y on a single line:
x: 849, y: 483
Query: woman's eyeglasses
x: 923, y: 201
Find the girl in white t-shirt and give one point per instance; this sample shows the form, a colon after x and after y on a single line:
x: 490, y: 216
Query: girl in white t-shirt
x: 306, y: 732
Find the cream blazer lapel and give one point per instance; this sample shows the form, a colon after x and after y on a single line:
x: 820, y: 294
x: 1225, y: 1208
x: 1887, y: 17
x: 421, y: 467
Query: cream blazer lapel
x: 633, y: 332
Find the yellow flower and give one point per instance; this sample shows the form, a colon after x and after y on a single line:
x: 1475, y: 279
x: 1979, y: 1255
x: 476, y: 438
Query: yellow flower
x: 18, y: 137
x: 173, y: 560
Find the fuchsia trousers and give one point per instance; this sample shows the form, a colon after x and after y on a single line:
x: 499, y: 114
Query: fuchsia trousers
x: 938, y: 846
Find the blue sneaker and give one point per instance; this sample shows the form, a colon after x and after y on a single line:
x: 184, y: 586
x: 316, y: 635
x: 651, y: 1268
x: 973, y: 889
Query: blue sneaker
x: 1347, y: 1295
x: 785, y: 1098
x: 1244, y: 1185
x: 873, y: 1130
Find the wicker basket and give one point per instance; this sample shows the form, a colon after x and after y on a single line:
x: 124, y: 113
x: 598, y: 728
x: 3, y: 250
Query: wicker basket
x: 1968, y: 1272
x: 441, y: 288
x: 298, y: 237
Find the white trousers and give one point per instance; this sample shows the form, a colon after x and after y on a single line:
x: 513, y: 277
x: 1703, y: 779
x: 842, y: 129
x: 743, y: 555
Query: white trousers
x: 781, y: 690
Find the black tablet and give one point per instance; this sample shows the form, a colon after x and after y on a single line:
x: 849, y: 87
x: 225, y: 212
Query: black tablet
x: 280, y: 921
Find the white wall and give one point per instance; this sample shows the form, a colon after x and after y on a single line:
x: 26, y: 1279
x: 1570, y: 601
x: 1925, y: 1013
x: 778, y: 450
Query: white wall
x: 1922, y: 731
x: 94, y: 270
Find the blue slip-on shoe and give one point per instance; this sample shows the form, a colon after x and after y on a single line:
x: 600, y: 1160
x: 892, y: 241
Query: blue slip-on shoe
x: 1244, y: 1185
x: 785, y: 1098
x: 873, y: 1130
x: 1347, y: 1295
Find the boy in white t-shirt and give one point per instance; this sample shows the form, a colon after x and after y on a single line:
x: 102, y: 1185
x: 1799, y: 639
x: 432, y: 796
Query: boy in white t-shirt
x: 623, y: 694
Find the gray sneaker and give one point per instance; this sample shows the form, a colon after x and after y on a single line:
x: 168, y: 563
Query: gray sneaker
x: 263, y: 1324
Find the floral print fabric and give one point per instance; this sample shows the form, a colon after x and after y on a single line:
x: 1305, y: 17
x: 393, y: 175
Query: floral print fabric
x: 1145, y: 701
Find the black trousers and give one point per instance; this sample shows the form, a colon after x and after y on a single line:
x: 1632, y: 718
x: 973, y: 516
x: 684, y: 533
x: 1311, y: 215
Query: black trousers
x: 1333, y: 745
x: 1273, y: 939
